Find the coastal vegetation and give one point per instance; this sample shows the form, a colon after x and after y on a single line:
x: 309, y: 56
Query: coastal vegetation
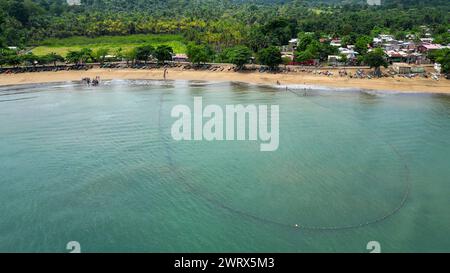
x: 220, y: 23
x: 270, y: 56
x: 443, y: 57
x: 231, y: 31
x: 375, y: 59
x: 62, y: 46
x: 199, y: 53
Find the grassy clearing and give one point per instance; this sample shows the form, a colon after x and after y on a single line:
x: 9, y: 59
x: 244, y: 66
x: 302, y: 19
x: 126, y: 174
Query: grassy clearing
x: 319, y: 11
x: 62, y: 46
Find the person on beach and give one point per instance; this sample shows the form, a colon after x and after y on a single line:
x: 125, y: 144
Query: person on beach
x: 86, y: 80
x: 96, y: 81
x: 165, y: 73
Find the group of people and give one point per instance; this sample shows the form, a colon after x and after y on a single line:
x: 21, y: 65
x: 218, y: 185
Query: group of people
x: 94, y: 82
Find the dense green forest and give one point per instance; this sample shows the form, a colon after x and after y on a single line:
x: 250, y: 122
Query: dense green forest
x: 220, y: 23
x: 212, y: 30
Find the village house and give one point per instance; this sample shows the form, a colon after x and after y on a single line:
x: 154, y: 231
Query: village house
x: 334, y: 59
x: 396, y: 56
x: 287, y: 51
x: 408, y: 46
x: 402, y: 68
x: 336, y: 42
x: 384, y: 39
x: 426, y: 47
x: 180, y: 58
x: 410, y: 37
x: 417, y: 58
x: 377, y: 41
x: 288, y: 55
x: 405, y: 56
x: 405, y: 69
x: 391, y: 46
x: 349, y: 53
x: 290, y: 47
x: 293, y: 43
x: 427, y: 40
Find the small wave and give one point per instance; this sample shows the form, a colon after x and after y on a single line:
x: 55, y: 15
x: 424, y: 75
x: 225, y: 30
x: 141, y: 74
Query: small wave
x: 315, y: 87
x: 207, y: 82
x: 26, y: 98
x: 138, y: 82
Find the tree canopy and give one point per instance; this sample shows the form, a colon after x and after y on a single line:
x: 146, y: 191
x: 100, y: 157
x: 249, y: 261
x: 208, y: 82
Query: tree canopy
x: 238, y: 55
x: 376, y: 59
x: 143, y: 53
x: 101, y: 53
x: 163, y: 53
x: 270, y: 56
x: 198, y: 54
x: 443, y: 57
x: 221, y: 24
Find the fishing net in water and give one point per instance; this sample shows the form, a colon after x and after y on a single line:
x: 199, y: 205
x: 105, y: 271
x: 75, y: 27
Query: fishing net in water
x: 331, y: 172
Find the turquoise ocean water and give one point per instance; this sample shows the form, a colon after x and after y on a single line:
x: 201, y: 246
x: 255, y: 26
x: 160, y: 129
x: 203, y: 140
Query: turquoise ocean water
x: 98, y: 165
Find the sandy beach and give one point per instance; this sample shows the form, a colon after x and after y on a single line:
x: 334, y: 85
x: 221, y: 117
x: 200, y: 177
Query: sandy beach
x: 397, y: 84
